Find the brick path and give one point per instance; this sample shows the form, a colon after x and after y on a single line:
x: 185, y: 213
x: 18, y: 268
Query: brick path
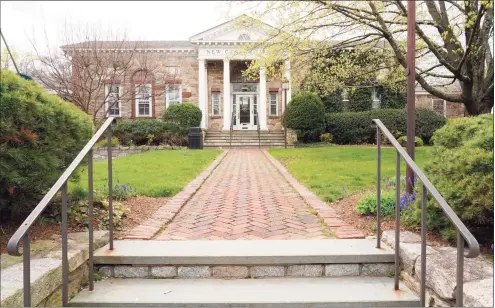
x: 245, y: 197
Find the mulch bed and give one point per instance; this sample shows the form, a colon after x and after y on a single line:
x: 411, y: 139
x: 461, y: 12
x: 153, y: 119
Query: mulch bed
x: 141, y: 208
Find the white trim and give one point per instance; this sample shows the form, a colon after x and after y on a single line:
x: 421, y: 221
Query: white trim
x: 167, y: 94
x: 107, y: 111
x: 375, y: 99
x: 213, y: 94
x: 137, y: 100
x: 270, y: 104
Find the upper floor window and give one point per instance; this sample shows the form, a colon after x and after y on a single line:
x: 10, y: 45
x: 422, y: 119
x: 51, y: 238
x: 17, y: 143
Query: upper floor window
x: 439, y: 106
x: 173, y: 94
x: 172, y: 71
x: 273, y: 103
x: 143, y: 100
x: 112, y: 100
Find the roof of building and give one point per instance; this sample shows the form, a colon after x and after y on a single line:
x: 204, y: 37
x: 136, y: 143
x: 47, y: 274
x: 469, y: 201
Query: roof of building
x: 130, y: 44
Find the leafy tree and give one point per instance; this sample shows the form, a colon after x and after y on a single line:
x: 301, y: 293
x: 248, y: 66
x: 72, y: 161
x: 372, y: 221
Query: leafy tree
x: 453, y: 40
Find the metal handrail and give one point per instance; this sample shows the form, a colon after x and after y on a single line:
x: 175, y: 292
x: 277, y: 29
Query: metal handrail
x: 61, y: 184
x: 463, y: 234
x: 258, y: 127
x: 231, y: 127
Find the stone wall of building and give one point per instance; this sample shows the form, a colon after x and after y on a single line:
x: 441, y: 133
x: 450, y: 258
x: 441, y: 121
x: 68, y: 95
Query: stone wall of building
x: 452, y: 110
x: 215, y: 84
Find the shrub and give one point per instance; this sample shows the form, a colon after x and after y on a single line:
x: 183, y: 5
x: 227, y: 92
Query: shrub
x: 355, y: 127
x: 461, y: 168
x: 417, y: 141
x: 367, y: 204
x: 326, y: 137
x: 333, y: 102
x: 306, y: 115
x: 184, y: 115
x: 360, y: 100
x: 391, y: 99
x: 137, y: 131
x: 40, y: 134
x: 103, y: 142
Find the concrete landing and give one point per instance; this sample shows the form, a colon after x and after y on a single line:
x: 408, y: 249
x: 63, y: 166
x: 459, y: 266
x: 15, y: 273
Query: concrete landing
x: 245, y: 252
x: 280, y: 292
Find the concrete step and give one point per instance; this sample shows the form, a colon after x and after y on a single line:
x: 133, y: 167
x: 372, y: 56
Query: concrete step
x: 245, y: 137
x: 268, y: 144
x: 245, y: 252
x: 254, y: 293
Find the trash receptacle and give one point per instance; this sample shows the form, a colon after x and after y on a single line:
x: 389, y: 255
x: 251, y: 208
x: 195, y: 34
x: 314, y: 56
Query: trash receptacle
x: 195, y: 138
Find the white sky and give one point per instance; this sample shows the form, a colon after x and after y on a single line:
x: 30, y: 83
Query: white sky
x: 140, y: 20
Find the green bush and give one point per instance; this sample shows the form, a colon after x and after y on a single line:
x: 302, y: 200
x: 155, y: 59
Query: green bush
x: 367, y: 204
x: 417, y: 141
x: 183, y: 116
x: 40, y: 134
x: 137, y: 131
x: 326, y: 138
x: 360, y: 100
x: 355, y: 127
x: 306, y: 115
x: 333, y: 102
x: 103, y: 142
x: 461, y: 168
x: 391, y: 99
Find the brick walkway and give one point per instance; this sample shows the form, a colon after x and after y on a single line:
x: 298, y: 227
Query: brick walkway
x: 245, y: 197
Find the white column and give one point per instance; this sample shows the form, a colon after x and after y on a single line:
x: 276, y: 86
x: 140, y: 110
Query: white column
x: 202, y: 91
x: 227, y: 113
x: 287, y: 75
x: 262, y: 103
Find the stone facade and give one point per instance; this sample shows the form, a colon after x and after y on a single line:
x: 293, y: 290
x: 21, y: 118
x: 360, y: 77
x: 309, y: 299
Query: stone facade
x: 451, y: 110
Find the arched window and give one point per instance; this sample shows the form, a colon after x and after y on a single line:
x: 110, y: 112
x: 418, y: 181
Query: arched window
x: 244, y: 37
x: 236, y: 74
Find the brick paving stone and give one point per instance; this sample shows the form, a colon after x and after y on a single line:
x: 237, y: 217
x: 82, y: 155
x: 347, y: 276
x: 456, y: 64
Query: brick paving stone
x: 244, y: 198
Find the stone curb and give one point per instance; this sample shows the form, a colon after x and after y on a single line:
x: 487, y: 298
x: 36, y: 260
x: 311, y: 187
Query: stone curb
x: 323, y: 210
x: 151, y: 227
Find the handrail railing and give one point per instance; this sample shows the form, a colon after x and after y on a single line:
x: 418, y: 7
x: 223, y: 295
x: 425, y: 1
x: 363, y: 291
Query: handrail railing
x: 463, y: 233
x: 258, y: 127
x: 232, y: 119
x: 22, y: 233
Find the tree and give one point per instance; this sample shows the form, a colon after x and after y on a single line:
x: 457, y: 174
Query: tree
x: 452, y: 43
x: 25, y: 62
x: 90, y: 60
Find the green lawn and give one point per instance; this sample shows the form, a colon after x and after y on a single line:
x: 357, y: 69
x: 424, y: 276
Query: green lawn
x: 153, y: 173
x: 325, y: 171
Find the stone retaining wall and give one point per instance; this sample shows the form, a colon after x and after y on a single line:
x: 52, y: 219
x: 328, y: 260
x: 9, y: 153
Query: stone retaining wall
x: 246, y: 271
x: 101, y: 153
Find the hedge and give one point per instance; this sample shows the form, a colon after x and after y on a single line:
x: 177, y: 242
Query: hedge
x: 360, y: 100
x: 355, y: 127
x: 461, y: 168
x: 141, y: 131
x: 391, y: 99
x: 306, y: 115
x: 40, y: 134
x: 333, y: 102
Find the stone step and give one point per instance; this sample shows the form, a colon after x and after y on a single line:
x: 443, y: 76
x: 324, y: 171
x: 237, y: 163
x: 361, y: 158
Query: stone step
x: 243, y: 143
x: 245, y: 137
x: 222, y: 147
x: 254, y: 293
x: 245, y: 252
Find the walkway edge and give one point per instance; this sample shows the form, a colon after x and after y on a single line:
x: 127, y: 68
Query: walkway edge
x: 323, y: 210
x: 149, y: 228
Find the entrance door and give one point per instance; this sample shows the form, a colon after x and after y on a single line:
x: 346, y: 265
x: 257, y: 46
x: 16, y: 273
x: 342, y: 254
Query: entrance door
x: 244, y: 112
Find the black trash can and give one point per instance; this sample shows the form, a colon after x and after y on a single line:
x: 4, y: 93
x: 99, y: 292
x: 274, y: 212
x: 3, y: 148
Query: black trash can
x: 195, y: 138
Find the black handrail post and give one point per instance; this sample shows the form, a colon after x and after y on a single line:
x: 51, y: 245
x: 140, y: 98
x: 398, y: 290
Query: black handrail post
x: 460, y: 271
x: 90, y: 218
x: 397, y: 221
x: 26, y: 259
x: 110, y: 188
x: 378, y: 186
x: 422, y: 292
x: 65, y: 258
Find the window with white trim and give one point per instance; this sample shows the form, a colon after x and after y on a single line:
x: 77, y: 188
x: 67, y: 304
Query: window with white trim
x: 215, y: 103
x: 173, y: 94
x: 273, y: 103
x: 376, y: 99
x: 172, y: 71
x: 143, y: 100
x: 112, y: 100
x: 438, y: 106
x: 345, y: 96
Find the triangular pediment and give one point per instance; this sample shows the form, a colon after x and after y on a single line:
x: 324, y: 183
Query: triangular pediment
x: 240, y: 29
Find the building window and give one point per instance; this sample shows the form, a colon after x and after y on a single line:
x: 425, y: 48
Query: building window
x: 172, y: 71
x: 173, y: 95
x: 375, y: 99
x: 215, y: 102
x: 273, y: 103
x: 439, y: 106
x: 112, y: 100
x: 143, y: 100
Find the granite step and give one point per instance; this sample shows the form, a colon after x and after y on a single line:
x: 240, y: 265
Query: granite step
x: 254, y: 293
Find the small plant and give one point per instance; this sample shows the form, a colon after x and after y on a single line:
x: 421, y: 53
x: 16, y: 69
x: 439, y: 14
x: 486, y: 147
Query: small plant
x: 150, y: 137
x: 96, y: 276
x: 367, y: 204
x: 103, y: 142
x: 417, y: 141
x: 326, y: 138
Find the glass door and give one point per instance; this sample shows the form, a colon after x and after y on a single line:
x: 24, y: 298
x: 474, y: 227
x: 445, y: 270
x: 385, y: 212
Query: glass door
x: 244, y: 111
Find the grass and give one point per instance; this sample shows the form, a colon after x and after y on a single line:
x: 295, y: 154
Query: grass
x: 152, y: 174
x: 336, y: 171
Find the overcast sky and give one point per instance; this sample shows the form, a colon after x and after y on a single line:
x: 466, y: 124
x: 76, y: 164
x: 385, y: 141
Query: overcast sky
x: 141, y: 20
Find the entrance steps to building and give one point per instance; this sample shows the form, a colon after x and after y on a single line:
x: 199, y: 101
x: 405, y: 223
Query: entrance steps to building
x: 244, y: 273
x: 244, y: 139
